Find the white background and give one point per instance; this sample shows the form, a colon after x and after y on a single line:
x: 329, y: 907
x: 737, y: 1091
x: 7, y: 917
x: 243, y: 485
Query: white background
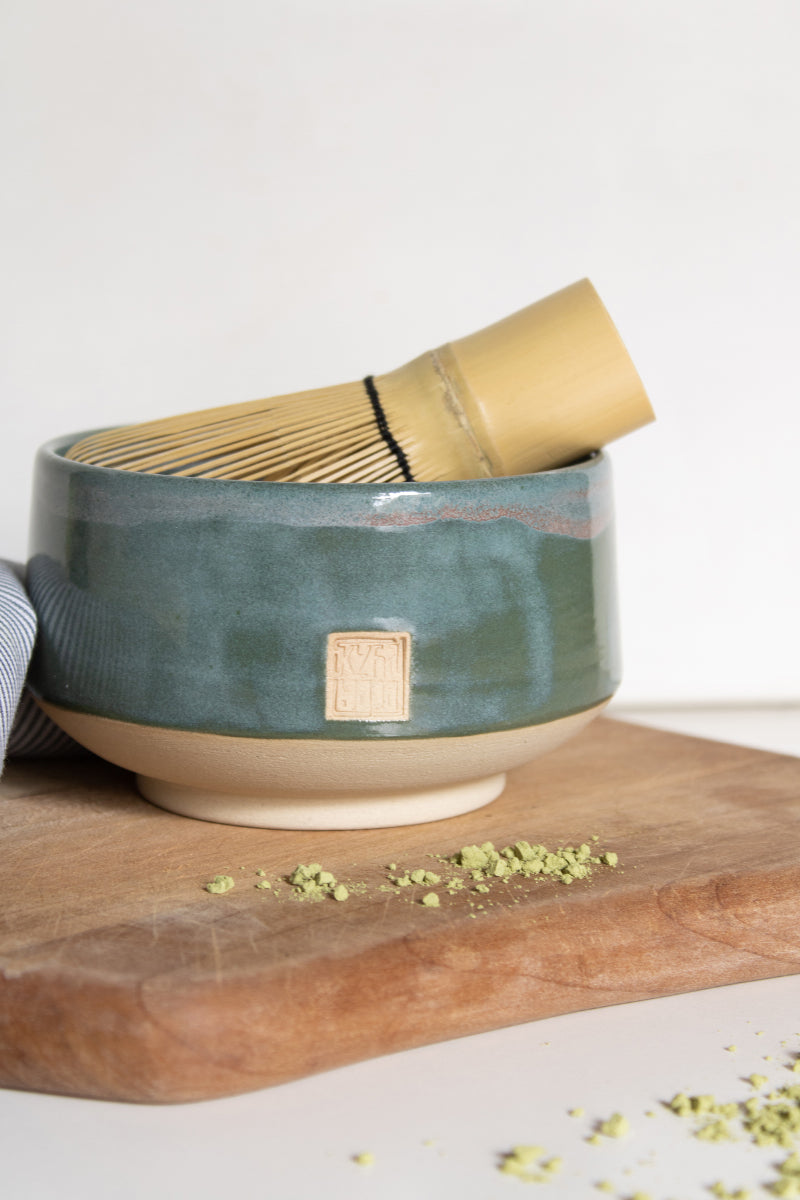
x: 212, y: 200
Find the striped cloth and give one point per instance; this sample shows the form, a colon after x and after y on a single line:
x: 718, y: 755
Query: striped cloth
x: 24, y: 729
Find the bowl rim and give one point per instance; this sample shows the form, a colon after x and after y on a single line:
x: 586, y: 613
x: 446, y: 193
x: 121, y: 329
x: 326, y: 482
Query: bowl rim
x: 55, y: 449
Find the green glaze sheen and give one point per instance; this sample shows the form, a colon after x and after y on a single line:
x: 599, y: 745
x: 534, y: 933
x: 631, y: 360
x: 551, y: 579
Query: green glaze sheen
x: 206, y: 604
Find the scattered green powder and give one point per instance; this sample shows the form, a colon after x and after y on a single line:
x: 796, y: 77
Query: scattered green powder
x: 426, y: 877
x: 567, y: 863
x: 604, y: 1185
x: 219, y: 884
x: 419, y: 876
x: 715, y: 1131
x: 731, y: 1049
x: 786, y: 1187
x: 772, y: 1123
x: 791, y: 1166
x: 701, y: 1106
x: 520, y: 1162
x: 615, y: 1127
x: 365, y: 1159
x: 313, y: 882
x: 576, y: 1112
x: 472, y: 857
x: 483, y: 867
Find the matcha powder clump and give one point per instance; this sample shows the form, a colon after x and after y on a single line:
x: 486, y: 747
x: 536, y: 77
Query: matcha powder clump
x: 526, y: 859
x: 219, y: 884
x: 312, y: 882
x: 615, y: 1127
x: 523, y: 1162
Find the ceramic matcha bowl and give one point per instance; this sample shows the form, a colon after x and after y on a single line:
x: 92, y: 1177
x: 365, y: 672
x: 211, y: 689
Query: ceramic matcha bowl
x: 321, y: 656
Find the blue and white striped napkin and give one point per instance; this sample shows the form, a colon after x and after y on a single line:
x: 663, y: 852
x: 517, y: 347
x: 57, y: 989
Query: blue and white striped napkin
x: 25, y: 731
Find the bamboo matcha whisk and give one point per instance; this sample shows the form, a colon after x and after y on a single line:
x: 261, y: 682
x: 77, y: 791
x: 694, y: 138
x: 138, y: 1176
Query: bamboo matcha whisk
x: 537, y: 390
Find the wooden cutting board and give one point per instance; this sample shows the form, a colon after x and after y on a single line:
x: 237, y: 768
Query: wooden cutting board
x: 122, y: 978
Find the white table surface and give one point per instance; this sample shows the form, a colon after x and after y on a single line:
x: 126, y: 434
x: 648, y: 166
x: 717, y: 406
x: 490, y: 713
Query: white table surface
x: 437, y: 1119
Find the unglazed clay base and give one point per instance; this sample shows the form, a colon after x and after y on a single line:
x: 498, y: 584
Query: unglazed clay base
x: 323, y: 812
x: 314, y: 783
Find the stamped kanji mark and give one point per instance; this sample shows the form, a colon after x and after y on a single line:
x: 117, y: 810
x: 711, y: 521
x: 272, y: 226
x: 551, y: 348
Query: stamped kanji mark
x: 367, y: 676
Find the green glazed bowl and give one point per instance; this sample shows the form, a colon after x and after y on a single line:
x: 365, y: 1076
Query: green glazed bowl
x: 321, y: 655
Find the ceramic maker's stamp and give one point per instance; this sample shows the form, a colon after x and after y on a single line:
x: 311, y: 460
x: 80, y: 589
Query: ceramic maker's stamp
x: 368, y: 676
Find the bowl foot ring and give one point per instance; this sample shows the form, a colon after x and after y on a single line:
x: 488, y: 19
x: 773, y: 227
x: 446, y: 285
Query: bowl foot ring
x: 283, y: 811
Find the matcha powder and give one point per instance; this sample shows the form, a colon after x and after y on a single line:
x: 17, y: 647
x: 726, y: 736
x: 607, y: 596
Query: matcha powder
x: 219, y: 884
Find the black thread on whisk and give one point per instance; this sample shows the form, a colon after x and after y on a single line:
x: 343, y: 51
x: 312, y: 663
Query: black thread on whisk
x: 384, y: 430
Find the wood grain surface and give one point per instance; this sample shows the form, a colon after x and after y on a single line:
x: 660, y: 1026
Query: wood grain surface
x: 122, y: 978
